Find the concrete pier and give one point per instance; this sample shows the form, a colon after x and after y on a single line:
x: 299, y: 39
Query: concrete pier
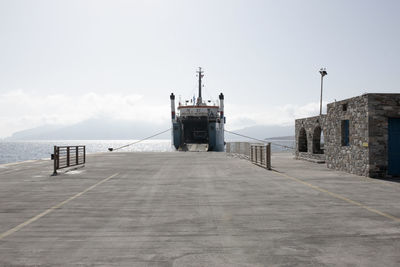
x: 195, y: 209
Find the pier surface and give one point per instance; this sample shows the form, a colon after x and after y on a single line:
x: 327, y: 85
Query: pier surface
x: 195, y: 209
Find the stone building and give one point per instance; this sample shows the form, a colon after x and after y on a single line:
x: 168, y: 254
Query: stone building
x: 360, y: 135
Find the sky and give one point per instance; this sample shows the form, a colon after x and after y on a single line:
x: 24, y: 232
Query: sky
x: 63, y: 62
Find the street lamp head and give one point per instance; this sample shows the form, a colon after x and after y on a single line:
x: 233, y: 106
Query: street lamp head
x: 323, y: 72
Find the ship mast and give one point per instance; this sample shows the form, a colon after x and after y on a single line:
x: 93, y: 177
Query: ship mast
x: 199, y: 99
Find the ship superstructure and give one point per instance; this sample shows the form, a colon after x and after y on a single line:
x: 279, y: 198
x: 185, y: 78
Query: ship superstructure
x: 198, y: 126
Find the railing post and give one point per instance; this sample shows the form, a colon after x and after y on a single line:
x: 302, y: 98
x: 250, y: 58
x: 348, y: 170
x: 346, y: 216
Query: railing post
x: 58, y: 157
x: 250, y: 154
x: 266, y: 156
x: 263, y: 155
x: 77, y: 155
x: 263, y: 152
x: 84, y: 154
x: 268, y: 150
x: 55, y: 160
x: 68, y: 156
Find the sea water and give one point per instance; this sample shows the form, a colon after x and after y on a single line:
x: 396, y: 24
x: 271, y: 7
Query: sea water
x: 15, y: 151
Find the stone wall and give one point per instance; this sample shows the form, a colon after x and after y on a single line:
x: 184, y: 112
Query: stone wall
x: 381, y: 107
x: 312, y: 127
x: 352, y: 158
x: 365, y: 151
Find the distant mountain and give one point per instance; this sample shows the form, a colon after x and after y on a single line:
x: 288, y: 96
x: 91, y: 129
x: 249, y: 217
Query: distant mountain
x: 106, y: 129
x: 289, y: 138
x: 263, y: 132
x: 38, y: 131
x: 94, y: 129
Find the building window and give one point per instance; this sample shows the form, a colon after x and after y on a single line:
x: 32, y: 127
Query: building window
x: 344, y: 107
x: 345, y: 133
x: 302, y: 140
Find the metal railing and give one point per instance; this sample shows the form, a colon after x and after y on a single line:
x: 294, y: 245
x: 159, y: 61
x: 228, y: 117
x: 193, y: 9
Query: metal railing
x: 261, y: 155
x: 68, y: 156
x: 242, y: 148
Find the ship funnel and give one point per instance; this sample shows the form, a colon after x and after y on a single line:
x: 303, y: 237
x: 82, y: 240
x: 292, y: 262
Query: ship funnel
x: 221, y: 106
x: 172, y: 97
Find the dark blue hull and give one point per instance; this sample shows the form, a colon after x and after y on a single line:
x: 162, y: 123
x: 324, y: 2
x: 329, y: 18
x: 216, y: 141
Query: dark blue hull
x: 213, y: 135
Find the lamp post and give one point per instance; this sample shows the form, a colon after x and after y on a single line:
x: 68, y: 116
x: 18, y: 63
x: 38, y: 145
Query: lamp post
x: 323, y: 73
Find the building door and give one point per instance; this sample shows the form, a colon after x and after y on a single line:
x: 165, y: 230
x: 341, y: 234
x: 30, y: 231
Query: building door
x: 394, y: 147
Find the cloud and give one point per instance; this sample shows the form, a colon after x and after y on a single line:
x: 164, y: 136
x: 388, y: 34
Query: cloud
x: 285, y: 115
x: 20, y: 110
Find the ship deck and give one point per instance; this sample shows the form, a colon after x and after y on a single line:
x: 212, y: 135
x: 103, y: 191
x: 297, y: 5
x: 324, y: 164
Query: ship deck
x: 195, y: 209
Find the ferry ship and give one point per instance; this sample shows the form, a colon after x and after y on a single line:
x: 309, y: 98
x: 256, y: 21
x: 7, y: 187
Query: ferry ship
x: 198, y: 126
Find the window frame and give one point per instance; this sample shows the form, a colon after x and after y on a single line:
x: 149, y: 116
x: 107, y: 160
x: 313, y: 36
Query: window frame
x: 345, y: 132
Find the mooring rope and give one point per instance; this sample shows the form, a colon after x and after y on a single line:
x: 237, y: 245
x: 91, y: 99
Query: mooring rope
x: 259, y: 140
x: 154, y: 135
x: 242, y: 135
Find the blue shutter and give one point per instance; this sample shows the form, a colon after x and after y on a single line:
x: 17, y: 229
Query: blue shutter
x: 394, y: 147
x: 346, y: 133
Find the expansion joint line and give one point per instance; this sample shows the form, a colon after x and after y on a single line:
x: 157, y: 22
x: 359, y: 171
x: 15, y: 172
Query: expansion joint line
x: 59, y: 205
x: 386, y: 215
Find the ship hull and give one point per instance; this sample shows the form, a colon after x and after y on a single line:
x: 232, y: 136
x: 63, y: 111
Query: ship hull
x: 187, y: 133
